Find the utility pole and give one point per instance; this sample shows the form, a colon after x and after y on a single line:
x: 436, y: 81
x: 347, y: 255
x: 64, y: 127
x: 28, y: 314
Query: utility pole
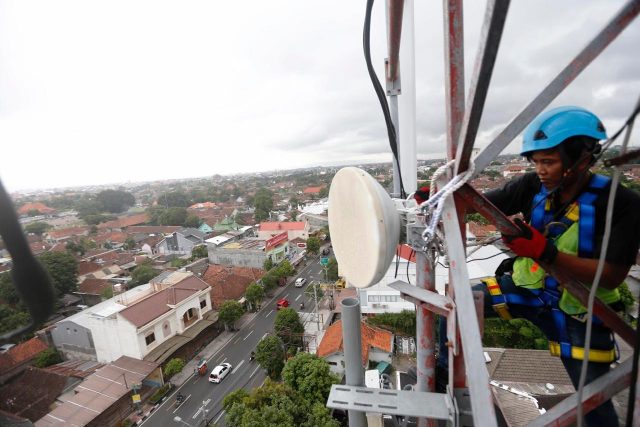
x: 315, y: 297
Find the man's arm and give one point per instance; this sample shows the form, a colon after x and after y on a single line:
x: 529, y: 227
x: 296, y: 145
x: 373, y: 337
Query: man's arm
x: 584, y: 270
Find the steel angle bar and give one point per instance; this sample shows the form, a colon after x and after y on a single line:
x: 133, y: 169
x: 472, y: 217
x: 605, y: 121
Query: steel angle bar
x: 393, y: 402
x: 491, y: 33
x: 394, y: 13
x: 595, y: 393
x: 454, y: 71
x: 622, y: 19
x: 577, y: 289
x: 440, y: 304
x: 476, y: 372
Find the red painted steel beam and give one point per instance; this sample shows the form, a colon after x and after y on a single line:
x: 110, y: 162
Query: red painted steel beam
x: 395, y: 32
x: 454, y: 72
x: 577, y: 289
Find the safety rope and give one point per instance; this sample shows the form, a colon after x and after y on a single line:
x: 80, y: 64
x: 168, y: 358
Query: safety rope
x: 435, y: 204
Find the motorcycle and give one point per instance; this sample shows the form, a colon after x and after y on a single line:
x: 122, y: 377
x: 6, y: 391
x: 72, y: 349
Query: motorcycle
x: 179, y: 399
x: 301, y: 306
x: 252, y: 356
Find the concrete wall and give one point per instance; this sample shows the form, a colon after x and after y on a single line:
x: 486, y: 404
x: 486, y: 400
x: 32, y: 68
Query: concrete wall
x: 74, y: 341
x: 237, y: 257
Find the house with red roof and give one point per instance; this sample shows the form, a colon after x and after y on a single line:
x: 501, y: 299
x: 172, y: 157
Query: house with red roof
x: 377, y: 346
x: 229, y: 282
x: 35, y: 206
x: 136, y: 322
x: 19, y: 357
x: 294, y: 229
x: 312, y: 191
x: 125, y: 221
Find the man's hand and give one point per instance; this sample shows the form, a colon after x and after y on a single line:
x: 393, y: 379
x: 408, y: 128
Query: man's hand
x: 531, y: 244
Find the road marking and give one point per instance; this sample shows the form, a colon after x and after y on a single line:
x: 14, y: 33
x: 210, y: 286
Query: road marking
x: 269, y: 314
x: 254, y: 371
x: 238, y: 367
x: 298, y: 297
x: 286, y: 295
x: 187, y: 398
x: 264, y: 336
x: 243, y: 339
x: 204, y: 403
x: 223, y: 360
x: 216, y: 420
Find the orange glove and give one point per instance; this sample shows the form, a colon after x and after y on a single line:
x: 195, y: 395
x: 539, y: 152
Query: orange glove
x: 531, y: 243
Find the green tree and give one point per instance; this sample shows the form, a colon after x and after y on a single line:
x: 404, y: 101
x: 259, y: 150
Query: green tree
x: 254, y: 295
x: 267, y: 264
x: 192, y: 221
x: 199, y: 252
x: 11, y: 319
x: 285, y: 269
x: 310, y: 376
x: 324, y: 192
x: 270, y: 355
x: 179, y: 262
x: 269, y: 281
x: 74, y: 248
x: 142, y: 274
x: 514, y: 333
x: 107, y: 293
x: 174, y: 199
x: 173, y: 366
x: 313, y: 245
x: 235, y: 397
x: 47, y: 357
x: 402, y: 323
x: 8, y: 293
x: 332, y: 270
x: 229, y: 313
x: 37, y: 228
x: 63, y: 270
x: 314, y: 290
x: 115, y: 201
x: 129, y: 244
x: 173, y: 216
x: 288, y: 327
x: 476, y: 217
x: 263, y: 202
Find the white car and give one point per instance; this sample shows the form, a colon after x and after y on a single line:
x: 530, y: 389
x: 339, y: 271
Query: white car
x: 300, y: 281
x: 219, y: 372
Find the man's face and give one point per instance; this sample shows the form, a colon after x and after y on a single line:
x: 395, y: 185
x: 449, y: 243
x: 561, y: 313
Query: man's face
x: 549, y: 167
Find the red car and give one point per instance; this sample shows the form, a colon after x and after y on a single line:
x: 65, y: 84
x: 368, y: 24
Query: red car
x: 282, y: 303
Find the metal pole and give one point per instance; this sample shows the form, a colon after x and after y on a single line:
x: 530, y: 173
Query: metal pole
x: 352, y: 340
x: 315, y: 297
x: 426, y: 363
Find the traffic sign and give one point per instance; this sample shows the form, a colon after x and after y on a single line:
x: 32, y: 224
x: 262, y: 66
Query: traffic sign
x: 324, y: 261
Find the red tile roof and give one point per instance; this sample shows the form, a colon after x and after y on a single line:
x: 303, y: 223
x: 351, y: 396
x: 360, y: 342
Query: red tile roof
x: 86, y: 267
x: 284, y: 226
x: 41, y: 207
x: 371, y: 337
x: 229, y: 282
x: 126, y: 221
x: 112, y: 236
x: 152, y: 229
x: 21, y: 353
x: 93, y: 286
x: 31, y: 394
x: 312, y: 190
x: 152, y: 307
x: 68, y: 232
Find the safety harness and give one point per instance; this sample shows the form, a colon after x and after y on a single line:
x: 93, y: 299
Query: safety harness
x: 542, y: 218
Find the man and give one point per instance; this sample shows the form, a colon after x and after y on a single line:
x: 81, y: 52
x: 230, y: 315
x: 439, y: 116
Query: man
x: 564, y: 207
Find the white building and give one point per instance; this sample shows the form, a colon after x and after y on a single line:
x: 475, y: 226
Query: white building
x: 380, y: 298
x: 135, y: 322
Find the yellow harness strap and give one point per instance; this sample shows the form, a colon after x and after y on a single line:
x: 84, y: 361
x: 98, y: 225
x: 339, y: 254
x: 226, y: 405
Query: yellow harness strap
x: 595, y: 355
x: 494, y: 290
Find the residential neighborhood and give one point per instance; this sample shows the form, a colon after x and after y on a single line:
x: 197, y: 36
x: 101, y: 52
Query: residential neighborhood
x: 193, y: 273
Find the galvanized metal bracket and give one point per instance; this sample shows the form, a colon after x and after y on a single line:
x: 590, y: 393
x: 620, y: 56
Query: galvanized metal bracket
x: 439, y: 304
x: 419, y: 404
x: 394, y: 87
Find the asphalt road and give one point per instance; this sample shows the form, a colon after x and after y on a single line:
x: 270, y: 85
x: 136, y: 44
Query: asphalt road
x: 203, y: 396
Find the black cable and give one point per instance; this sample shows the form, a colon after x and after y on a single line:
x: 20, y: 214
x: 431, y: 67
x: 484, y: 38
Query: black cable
x: 382, y: 98
x: 408, y: 262
x: 615, y: 136
x: 397, y: 261
x: 489, y: 257
x: 29, y: 277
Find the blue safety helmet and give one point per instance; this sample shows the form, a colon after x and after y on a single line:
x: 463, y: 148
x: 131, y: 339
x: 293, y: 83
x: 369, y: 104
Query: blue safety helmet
x: 552, y: 127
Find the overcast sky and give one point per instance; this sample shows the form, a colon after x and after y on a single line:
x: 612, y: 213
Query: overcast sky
x: 96, y: 92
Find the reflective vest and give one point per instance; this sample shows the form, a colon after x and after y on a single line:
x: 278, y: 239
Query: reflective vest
x: 573, y: 234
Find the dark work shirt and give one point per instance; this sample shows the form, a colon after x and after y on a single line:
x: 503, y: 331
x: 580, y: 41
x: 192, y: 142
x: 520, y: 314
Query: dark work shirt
x: 517, y: 197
